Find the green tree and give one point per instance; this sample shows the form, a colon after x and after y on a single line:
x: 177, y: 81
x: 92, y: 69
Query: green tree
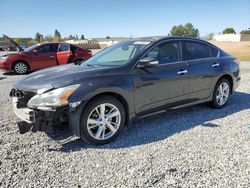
x: 108, y: 37
x: 229, y: 30
x: 82, y: 37
x: 245, y: 31
x: 23, y: 40
x: 209, y: 36
x: 38, y: 37
x: 184, y: 30
x: 57, y: 36
x: 70, y: 37
x: 49, y: 38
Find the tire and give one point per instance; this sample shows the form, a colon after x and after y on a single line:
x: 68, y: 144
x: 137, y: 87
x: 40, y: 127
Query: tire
x: 102, y: 120
x: 20, y: 68
x: 220, y: 97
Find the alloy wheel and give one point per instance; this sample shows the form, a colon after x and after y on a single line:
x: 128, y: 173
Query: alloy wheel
x: 103, y: 121
x: 20, y: 68
x: 222, y: 93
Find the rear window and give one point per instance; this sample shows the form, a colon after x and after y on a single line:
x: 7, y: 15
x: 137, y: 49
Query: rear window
x: 195, y: 50
x: 213, y: 52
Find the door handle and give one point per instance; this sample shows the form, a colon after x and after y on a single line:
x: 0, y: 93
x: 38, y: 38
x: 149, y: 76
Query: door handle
x: 215, y: 65
x: 52, y: 56
x: 181, y: 72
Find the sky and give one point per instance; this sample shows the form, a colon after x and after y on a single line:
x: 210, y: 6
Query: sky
x: 120, y: 18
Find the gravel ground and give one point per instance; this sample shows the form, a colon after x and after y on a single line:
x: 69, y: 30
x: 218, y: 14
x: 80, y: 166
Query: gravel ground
x: 190, y: 147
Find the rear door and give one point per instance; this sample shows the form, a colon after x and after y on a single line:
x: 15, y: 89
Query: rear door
x: 163, y: 85
x: 44, y: 56
x: 203, y: 68
x: 63, y: 54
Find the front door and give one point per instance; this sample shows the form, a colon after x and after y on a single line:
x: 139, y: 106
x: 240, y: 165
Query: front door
x: 43, y: 56
x: 163, y: 85
x: 63, y: 54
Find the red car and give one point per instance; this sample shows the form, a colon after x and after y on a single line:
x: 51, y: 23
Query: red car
x: 41, y: 56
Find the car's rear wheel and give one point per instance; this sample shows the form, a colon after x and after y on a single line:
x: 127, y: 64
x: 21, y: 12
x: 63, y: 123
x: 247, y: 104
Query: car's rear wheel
x: 221, y: 93
x: 20, y: 68
x: 102, y: 120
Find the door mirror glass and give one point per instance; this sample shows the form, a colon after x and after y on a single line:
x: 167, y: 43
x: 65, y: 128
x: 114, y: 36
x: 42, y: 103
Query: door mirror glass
x: 148, y: 62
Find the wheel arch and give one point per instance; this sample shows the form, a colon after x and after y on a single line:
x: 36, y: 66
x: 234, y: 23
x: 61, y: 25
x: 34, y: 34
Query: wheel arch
x: 13, y: 64
x: 229, y: 78
x: 118, y: 96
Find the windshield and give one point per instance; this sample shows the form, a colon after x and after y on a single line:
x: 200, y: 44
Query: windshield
x: 31, y: 48
x: 118, y: 54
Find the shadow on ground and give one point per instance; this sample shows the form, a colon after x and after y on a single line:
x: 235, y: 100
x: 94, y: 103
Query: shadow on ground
x: 162, y: 126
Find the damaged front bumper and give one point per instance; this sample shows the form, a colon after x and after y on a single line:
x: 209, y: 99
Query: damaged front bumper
x: 46, y: 120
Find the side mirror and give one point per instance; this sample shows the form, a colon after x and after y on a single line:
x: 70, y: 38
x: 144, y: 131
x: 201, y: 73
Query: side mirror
x: 148, y: 62
x: 34, y: 52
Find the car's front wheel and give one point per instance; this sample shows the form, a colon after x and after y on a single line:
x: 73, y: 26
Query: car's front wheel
x: 20, y: 68
x: 221, y: 93
x: 102, y: 120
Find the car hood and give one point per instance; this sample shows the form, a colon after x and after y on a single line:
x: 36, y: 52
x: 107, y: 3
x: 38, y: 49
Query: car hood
x: 58, y: 76
x: 13, y: 42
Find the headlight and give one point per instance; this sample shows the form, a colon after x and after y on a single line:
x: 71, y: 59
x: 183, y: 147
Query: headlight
x: 56, y: 97
x: 4, y: 58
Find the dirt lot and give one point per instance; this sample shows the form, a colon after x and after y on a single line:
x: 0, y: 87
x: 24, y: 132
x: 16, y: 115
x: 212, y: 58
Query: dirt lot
x: 190, y: 147
x: 240, y: 50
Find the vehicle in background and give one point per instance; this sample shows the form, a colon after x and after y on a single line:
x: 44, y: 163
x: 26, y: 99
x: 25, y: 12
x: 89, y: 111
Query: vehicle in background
x: 41, y: 56
x: 2, y: 48
x: 127, y: 80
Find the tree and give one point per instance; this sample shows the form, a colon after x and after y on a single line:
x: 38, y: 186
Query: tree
x: 23, y: 40
x: 108, y: 37
x: 229, y: 30
x: 49, y: 38
x: 185, y: 30
x: 57, y: 36
x: 70, y: 37
x: 245, y: 31
x: 38, y: 37
x: 82, y: 37
x: 209, y: 36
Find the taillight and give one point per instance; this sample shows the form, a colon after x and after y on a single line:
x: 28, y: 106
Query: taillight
x: 237, y: 61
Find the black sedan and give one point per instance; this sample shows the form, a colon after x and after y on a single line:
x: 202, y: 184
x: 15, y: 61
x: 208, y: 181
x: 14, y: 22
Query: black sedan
x: 130, y: 79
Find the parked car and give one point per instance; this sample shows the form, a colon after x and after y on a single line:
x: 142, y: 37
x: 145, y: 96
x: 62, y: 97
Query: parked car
x: 129, y: 80
x: 2, y: 48
x: 41, y: 56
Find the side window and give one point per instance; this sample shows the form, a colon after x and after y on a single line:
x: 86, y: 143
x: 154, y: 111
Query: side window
x: 47, y: 48
x: 166, y: 53
x: 213, y: 52
x: 195, y: 50
x: 63, y: 47
x: 44, y: 49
